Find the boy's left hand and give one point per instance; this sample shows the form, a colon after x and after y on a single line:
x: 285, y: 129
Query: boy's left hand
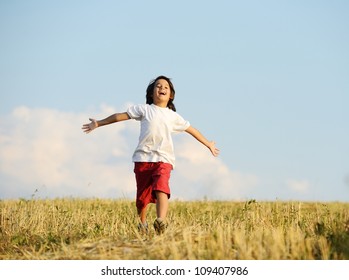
x: 213, y: 149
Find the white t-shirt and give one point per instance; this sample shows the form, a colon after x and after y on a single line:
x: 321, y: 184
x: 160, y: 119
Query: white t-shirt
x: 155, y: 140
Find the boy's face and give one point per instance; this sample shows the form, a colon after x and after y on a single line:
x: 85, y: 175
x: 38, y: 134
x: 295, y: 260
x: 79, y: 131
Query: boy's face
x: 162, y: 93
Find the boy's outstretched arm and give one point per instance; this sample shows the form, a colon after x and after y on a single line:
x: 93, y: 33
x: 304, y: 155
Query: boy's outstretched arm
x: 198, y: 136
x: 118, y: 117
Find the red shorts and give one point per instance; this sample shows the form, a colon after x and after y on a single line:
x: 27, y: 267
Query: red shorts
x: 151, y: 177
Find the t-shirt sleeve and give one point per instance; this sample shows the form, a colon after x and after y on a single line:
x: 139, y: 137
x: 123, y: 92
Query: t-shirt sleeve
x: 180, y: 124
x: 136, y: 112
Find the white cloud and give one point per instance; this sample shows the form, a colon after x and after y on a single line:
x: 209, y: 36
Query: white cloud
x: 45, y: 149
x: 346, y: 180
x: 203, y: 175
x: 299, y: 186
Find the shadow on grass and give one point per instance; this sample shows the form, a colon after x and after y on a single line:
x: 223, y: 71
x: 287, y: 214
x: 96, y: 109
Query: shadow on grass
x: 338, y: 240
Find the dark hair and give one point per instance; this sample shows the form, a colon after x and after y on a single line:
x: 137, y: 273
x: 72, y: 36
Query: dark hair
x: 150, y: 92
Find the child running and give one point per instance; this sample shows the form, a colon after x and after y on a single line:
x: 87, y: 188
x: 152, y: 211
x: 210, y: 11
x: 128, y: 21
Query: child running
x: 154, y: 156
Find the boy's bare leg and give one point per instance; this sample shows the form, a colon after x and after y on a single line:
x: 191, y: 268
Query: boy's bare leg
x: 161, y: 204
x: 143, y: 215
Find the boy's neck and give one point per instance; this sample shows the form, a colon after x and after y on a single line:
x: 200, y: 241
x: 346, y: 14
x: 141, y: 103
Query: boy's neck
x: 161, y: 105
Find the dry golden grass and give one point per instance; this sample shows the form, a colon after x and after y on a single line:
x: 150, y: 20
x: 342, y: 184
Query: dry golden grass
x: 107, y: 229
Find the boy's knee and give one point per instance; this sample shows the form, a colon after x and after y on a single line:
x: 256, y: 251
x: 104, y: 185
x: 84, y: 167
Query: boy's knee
x: 160, y: 194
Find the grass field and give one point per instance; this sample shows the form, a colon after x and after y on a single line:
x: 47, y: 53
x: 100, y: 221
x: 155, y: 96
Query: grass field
x: 107, y: 229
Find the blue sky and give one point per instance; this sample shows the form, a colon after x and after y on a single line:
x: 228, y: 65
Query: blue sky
x: 267, y: 80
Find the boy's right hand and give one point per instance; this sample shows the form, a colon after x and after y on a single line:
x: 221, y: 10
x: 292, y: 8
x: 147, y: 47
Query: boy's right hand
x: 87, y: 128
